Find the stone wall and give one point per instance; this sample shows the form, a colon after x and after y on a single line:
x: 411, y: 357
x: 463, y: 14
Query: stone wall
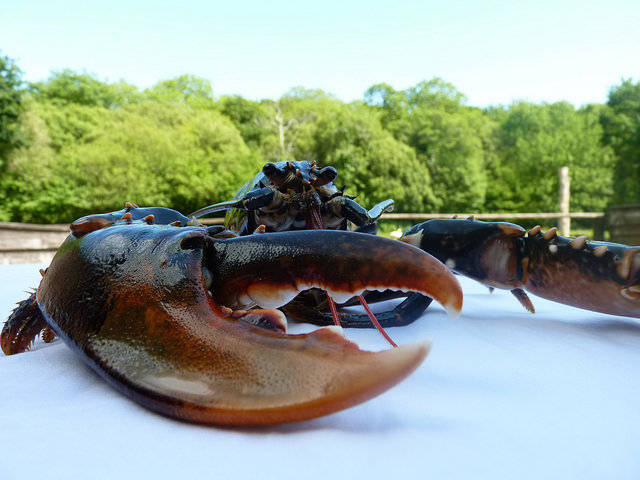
x: 29, y: 243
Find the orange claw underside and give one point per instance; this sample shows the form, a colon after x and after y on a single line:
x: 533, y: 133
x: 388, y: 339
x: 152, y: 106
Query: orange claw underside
x: 244, y: 375
x: 149, y: 326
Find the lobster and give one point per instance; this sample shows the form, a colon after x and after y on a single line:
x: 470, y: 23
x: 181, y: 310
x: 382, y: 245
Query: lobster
x: 164, y: 308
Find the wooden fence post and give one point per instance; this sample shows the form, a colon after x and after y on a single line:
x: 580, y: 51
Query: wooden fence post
x: 564, y: 224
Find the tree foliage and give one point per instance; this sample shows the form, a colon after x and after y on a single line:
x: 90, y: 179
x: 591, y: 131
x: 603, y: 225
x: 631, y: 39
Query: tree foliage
x: 74, y: 144
x: 370, y: 161
x: 621, y: 123
x: 183, y: 90
x: 69, y: 87
x: 11, y: 105
x: 250, y: 118
x: 150, y: 154
x: 448, y: 138
x: 535, y: 141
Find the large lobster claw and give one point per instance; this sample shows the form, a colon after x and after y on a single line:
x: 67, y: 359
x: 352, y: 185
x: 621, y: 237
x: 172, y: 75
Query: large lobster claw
x: 151, y: 309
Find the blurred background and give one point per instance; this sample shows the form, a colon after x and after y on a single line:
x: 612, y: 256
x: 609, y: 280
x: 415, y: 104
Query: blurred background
x: 446, y: 107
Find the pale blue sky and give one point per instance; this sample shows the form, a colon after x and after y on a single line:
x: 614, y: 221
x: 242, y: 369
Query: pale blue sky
x: 493, y: 51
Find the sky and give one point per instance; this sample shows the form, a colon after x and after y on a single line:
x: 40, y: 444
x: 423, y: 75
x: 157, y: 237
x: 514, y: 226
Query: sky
x: 495, y: 52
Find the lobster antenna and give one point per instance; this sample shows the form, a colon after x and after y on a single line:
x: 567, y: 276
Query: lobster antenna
x: 217, y: 207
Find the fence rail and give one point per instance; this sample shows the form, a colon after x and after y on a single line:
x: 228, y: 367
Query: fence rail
x: 487, y: 216
x: 31, y: 243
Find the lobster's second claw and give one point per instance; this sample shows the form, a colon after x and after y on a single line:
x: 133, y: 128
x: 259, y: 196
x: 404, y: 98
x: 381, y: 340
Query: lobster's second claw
x: 599, y: 276
x: 485, y: 251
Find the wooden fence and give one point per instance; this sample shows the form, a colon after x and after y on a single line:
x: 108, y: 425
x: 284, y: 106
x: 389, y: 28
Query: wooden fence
x: 624, y: 224
x: 30, y: 243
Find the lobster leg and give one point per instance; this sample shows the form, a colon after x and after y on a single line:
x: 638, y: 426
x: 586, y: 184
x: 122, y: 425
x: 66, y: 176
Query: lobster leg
x: 22, y: 327
x: 404, y: 313
x: 354, y: 212
x: 314, y: 310
x: 523, y: 298
x: 253, y: 200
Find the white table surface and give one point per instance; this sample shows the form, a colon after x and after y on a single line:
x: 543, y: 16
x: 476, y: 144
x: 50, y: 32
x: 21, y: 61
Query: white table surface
x: 503, y: 394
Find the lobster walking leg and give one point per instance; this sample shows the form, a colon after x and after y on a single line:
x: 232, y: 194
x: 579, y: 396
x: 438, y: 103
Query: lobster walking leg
x: 375, y: 322
x: 403, y: 314
x: 22, y: 327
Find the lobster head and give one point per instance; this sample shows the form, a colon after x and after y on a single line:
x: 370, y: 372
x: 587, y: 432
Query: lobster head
x: 298, y: 176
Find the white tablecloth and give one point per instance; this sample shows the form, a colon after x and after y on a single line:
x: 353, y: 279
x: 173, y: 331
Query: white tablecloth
x: 503, y: 394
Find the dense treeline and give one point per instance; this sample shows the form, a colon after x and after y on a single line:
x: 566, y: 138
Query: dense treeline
x: 74, y: 144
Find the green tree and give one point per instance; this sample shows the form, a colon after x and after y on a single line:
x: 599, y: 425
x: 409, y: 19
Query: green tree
x: 288, y: 123
x: 67, y: 86
x: 451, y: 145
x: 150, y: 154
x: 184, y: 89
x: 535, y: 141
x: 371, y: 163
x: 395, y: 105
x: 250, y: 118
x: 76, y: 145
x: 621, y: 123
x: 11, y: 105
x: 448, y: 138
